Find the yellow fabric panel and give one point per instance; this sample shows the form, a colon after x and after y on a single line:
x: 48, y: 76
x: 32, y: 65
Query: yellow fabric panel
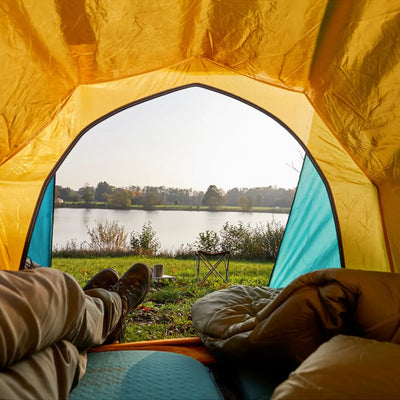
x: 389, y: 195
x: 356, y: 201
x: 136, y: 37
x: 33, y: 82
x: 271, y: 41
x: 15, y: 215
x: 358, y: 89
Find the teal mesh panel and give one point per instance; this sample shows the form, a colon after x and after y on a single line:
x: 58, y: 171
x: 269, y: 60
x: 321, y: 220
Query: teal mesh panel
x: 310, y: 241
x: 41, y: 241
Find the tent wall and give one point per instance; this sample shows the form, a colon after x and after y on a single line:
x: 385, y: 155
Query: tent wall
x: 356, y: 200
x: 337, y: 89
x: 40, y: 245
x: 310, y: 241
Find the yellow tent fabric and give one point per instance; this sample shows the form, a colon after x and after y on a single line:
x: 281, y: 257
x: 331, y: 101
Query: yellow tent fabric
x: 329, y: 70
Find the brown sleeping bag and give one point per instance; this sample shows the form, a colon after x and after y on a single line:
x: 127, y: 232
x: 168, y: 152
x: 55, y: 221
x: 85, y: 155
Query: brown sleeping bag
x: 286, y: 326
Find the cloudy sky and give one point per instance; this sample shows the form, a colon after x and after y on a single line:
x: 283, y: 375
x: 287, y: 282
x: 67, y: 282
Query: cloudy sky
x: 189, y: 139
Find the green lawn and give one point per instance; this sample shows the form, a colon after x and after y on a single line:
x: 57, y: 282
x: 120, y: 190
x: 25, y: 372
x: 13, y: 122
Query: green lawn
x: 166, y: 311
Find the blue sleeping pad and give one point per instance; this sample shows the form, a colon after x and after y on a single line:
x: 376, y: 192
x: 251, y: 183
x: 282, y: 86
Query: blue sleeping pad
x: 144, y: 375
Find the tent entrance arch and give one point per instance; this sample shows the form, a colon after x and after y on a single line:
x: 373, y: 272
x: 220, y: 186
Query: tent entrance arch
x: 196, y: 137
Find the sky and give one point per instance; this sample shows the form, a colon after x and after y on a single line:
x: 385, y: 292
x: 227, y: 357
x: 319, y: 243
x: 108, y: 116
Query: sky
x: 192, y: 138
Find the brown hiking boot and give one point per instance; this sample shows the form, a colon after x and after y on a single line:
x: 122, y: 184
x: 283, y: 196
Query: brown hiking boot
x: 132, y: 287
x: 105, y: 279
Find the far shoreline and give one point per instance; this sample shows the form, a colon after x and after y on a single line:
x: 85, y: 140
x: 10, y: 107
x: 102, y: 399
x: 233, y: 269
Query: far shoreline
x: 269, y: 210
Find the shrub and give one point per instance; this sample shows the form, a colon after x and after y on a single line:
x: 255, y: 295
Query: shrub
x: 145, y: 243
x: 236, y: 239
x: 107, y: 237
x: 259, y: 243
x: 272, y: 238
x: 207, y: 241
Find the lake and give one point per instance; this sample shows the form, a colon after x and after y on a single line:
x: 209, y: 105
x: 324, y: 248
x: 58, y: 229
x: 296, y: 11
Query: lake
x: 173, y: 227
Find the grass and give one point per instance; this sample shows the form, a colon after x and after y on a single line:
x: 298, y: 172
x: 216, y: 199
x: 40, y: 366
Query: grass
x: 166, y: 310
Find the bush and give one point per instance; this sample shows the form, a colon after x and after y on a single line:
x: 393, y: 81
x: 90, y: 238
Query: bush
x: 243, y: 241
x: 107, y: 237
x: 259, y: 243
x: 146, y: 243
x: 207, y: 241
x: 272, y: 239
x: 236, y: 239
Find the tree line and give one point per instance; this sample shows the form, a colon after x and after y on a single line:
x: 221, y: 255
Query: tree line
x: 150, y: 196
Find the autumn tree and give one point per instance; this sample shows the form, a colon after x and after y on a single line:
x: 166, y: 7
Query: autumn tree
x: 120, y: 198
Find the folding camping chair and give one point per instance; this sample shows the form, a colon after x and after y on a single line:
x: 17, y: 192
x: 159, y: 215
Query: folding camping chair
x: 206, y: 258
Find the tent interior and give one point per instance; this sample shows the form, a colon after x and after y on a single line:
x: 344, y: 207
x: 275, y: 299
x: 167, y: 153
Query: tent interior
x: 328, y: 70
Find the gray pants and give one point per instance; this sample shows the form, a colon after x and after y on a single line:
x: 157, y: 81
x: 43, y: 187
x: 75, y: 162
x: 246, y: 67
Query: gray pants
x: 47, y: 323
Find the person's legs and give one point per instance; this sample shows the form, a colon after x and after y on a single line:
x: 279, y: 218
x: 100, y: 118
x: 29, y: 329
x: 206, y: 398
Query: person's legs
x: 42, y: 306
x: 48, y: 374
x: 46, y: 319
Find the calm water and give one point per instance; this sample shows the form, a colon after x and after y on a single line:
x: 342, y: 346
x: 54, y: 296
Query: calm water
x: 173, y: 227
